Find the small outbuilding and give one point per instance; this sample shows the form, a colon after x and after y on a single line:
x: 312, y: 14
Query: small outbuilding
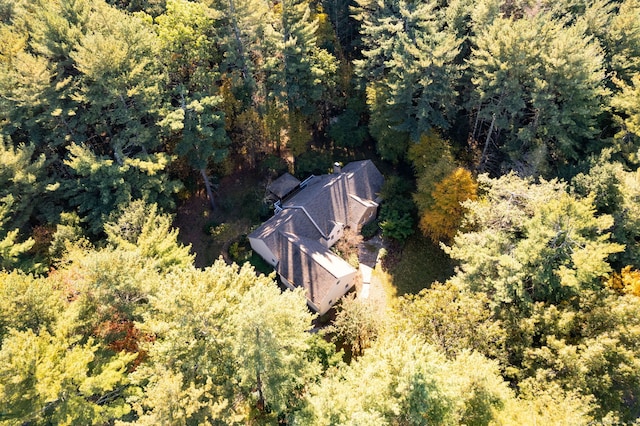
x: 283, y: 186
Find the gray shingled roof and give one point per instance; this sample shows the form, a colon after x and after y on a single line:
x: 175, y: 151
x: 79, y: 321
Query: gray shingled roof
x: 326, y: 200
x: 283, y: 185
x: 364, y: 179
x: 308, y: 264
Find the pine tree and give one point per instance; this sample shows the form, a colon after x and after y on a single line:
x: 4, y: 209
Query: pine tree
x: 199, y: 127
x: 626, y: 107
x: 10, y: 249
x: 22, y: 182
x: 99, y: 186
x: 409, y: 70
x: 28, y: 303
x: 453, y: 320
x: 532, y: 242
x: 57, y: 378
x: 143, y: 228
x: 187, y: 38
x: 538, y: 91
x: 269, y: 329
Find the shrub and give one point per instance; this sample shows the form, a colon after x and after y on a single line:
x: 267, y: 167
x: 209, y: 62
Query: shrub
x: 370, y: 229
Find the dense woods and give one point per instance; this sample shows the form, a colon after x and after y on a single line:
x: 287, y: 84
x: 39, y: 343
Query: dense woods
x: 509, y: 136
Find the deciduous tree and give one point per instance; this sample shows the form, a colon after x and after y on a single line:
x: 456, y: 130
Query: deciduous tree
x: 442, y: 220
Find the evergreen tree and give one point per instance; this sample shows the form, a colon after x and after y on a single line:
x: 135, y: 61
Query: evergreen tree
x: 269, y: 328
x: 199, y: 125
x: 453, y: 320
x: 186, y: 376
x: 23, y: 178
x: 141, y: 227
x: 23, y: 196
x: 28, y: 303
x: 99, y: 186
x: 244, y: 343
x: 101, y: 81
x: 538, y: 92
x: 87, y: 81
x: 409, y: 70
x: 615, y: 192
x: 407, y: 382
x: 187, y: 38
x: 53, y: 378
x: 10, y: 248
x: 535, y: 241
x: 626, y: 106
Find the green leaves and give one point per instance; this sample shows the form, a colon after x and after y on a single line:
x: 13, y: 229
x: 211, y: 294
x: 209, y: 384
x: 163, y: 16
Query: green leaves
x: 537, y: 244
x: 409, y: 69
x: 539, y: 87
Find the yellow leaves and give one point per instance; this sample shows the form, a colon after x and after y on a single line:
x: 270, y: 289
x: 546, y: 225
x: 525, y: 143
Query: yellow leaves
x: 431, y: 151
x: 442, y: 220
x: 627, y: 281
x: 627, y: 105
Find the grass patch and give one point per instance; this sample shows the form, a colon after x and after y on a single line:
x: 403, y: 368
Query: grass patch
x: 420, y: 264
x: 259, y: 264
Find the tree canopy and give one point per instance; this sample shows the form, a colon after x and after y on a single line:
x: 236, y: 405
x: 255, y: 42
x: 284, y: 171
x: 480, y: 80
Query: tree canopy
x: 509, y: 136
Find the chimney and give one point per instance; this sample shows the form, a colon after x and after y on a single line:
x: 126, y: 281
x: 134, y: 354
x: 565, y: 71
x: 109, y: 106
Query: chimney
x: 337, y: 168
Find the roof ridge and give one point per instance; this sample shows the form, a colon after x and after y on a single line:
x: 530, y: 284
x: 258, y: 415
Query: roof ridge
x: 325, y: 236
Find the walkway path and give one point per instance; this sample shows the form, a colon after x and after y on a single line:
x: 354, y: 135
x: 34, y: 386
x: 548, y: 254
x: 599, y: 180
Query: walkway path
x: 372, y: 288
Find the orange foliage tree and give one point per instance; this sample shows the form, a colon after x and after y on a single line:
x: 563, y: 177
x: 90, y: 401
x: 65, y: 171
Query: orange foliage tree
x: 627, y: 281
x: 441, y: 220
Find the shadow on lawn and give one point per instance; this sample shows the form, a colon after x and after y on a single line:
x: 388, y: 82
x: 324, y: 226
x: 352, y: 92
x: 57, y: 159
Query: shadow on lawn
x: 417, y: 265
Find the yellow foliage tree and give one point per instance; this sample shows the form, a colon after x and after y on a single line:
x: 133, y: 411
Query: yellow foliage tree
x: 432, y: 161
x: 627, y: 281
x: 442, y: 219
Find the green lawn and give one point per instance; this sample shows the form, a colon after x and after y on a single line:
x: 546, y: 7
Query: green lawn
x: 421, y: 263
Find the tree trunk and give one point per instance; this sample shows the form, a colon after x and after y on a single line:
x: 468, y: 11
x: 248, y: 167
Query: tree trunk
x: 486, y: 143
x: 207, y: 185
x: 236, y: 31
x: 475, y: 125
x: 259, y: 379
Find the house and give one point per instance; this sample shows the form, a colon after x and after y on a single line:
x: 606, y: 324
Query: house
x: 296, y: 241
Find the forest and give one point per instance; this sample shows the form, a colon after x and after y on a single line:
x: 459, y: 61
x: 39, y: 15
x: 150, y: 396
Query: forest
x: 508, y: 132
